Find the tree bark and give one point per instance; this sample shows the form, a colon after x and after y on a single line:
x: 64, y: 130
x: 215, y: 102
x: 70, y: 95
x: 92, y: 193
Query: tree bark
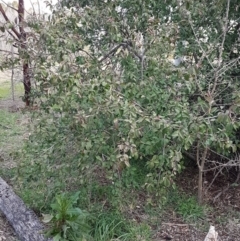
x: 201, y: 164
x: 23, y: 48
x: 27, y: 84
x: 23, y: 220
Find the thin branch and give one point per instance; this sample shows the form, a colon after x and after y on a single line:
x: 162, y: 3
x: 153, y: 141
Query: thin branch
x: 7, y: 20
x: 8, y: 5
x: 134, y: 52
x: 114, y: 50
x: 12, y: 36
x: 34, y: 12
x: 205, y: 54
x: 220, y: 193
x: 215, y: 176
x: 84, y: 51
x: 221, y: 48
x: 9, y: 52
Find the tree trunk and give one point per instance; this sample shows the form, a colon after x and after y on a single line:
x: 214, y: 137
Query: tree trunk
x: 23, y: 48
x: 201, y: 164
x: 27, y: 84
x: 23, y: 220
x: 200, y: 186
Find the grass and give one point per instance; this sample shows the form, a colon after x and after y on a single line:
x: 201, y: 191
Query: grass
x: 113, y: 226
x: 5, y: 89
x: 11, y: 134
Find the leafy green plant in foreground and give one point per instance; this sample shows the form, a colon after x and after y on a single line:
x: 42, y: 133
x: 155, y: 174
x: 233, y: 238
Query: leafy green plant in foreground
x: 67, y: 222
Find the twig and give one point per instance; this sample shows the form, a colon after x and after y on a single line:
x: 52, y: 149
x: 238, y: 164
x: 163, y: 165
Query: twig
x: 7, y: 20
x: 221, y: 48
x: 176, y: 224
x: 114, y: 50
x: 213, y: 180
x: 8, y: 5
x: 6, y: 51
x: 12, y: 36
x: 134, y: 52
x: 205, y: 54
x: 220, y: 193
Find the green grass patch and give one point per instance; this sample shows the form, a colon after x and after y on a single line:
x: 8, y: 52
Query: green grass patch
x: 186, y: 206
x: 12, y: 129
x: 113, y: 225
x: 6, y: 91
x: 12, y: 132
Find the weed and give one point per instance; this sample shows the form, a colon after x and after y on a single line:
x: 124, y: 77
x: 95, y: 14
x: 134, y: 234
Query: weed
x: 111, y: 225
x: 67, y: 222
x: 189, y: 208
x: 186, y: 206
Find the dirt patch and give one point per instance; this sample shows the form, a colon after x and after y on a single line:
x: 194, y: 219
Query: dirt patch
x: 12, y: 105
x: 223, y: 197
x: 179, y: 231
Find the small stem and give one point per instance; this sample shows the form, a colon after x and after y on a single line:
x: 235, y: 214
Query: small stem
x: 201, y: 163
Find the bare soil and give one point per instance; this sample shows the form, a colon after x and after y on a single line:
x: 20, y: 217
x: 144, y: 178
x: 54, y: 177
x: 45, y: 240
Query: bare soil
x: 12, y: 105
x: 223, y: 198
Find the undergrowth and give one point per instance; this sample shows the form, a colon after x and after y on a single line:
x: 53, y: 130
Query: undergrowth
x: 112, y: 208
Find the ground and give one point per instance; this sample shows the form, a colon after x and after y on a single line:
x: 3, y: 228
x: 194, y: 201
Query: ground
x: 223, y: 211
x: 6, y: 232
x: 221, y: 200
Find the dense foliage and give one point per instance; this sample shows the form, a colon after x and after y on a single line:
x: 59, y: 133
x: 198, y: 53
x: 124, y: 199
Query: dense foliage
x: 113, y: 89
x: 124, y: 94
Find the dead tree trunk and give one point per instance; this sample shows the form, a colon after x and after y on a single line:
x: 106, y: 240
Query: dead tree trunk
x: 23, y: 220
